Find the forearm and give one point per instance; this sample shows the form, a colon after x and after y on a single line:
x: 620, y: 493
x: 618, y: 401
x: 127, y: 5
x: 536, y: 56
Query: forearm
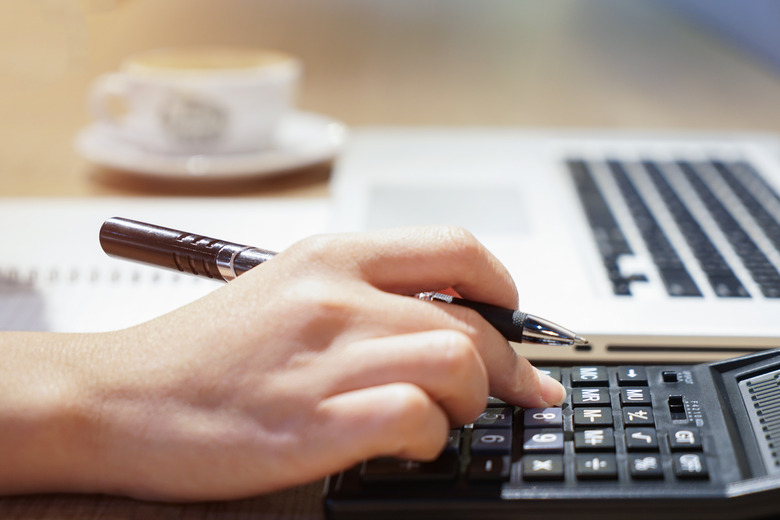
x: 289, y: 373
x: 47, y: 413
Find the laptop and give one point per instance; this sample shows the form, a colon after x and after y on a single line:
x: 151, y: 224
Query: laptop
x: 656, y: 247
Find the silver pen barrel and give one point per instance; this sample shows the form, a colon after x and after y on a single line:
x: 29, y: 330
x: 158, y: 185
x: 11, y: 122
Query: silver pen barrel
x: 178, y: 250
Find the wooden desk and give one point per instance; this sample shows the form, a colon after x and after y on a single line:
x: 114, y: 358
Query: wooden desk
x: 301, y: 503
x: 557, y: 63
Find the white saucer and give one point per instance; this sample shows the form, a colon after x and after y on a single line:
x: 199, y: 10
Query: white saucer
x: 302, y: 139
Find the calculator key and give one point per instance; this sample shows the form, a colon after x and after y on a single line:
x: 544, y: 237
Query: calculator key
x: 453, y: 442
x: 631, y: 376
x: 593, y: 416
x: 495, y: 401
x: 391, y: 469
x: 645, y: 466
x: 543, y: 418
x: 547, y: 440
x: 641, y: 439
x: 684, y: 439
x: 490, y: 467
x: 596, y: 466
x: 554, y: 372
x: 491, y: 442
x: 638, y: 415
x: 589, y: 376
x: 594, y: 439
x: 495, y: 417
x: 635, y: 396
x: 542, y: 467
x: 590, y: 397
x: 689, y: 466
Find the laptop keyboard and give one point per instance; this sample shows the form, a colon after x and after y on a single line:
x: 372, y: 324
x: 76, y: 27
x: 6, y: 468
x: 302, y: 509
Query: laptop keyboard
x: 675, y: 276
x: 718, y: 272
x: 735, y: 212
x: 611, y: 241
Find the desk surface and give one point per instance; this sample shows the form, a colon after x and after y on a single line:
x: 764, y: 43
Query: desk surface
x: 558, y: 63
x: 301, y: 503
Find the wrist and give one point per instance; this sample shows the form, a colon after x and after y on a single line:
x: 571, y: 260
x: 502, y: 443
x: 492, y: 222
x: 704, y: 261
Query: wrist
x: 48, y: 413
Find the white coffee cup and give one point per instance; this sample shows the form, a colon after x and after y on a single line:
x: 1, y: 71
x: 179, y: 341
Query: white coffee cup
x: 197, y: 100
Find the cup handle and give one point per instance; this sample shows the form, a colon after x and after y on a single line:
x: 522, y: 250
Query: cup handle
x: 108, y: 98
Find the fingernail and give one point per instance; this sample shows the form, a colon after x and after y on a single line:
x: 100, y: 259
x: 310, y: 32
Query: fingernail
x: 552, y: 392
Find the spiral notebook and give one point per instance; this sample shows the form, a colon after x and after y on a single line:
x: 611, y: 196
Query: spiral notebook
x: 55, y: 277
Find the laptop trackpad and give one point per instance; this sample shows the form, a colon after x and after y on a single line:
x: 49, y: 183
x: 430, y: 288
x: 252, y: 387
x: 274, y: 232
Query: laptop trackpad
x: 484, y: 210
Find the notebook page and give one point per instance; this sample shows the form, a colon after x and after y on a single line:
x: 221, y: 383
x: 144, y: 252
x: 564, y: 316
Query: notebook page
x: 55, y: 277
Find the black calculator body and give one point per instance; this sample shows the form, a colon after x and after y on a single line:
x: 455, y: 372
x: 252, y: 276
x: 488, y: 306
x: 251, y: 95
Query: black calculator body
x: 630, y: 442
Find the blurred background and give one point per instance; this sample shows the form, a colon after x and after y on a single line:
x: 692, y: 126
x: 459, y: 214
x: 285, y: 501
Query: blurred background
x: 668, y: 64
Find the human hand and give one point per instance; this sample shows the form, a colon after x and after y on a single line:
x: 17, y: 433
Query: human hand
x: 304, y: 366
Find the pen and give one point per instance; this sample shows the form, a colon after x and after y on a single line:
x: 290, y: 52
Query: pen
x: 222, y: 260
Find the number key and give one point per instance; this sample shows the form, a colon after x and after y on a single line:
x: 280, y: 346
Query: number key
x: 543, y: 418
x: 543, y: 441
x: 491, y: 442
x: 495, y: 418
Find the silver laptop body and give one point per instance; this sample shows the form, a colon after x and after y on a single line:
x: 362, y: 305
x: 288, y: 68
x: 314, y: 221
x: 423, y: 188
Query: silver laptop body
x: 657, y: 247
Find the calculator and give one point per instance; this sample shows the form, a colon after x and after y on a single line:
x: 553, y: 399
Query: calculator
x: 630, y: 442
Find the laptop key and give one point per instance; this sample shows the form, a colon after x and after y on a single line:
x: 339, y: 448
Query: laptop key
x: 722, y: 279
x: 677, y: 280
x: 610, y: 240
x: 761, y: 269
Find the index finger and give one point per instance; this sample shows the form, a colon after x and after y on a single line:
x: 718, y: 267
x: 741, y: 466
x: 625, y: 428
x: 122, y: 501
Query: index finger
x: 412, y: 260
